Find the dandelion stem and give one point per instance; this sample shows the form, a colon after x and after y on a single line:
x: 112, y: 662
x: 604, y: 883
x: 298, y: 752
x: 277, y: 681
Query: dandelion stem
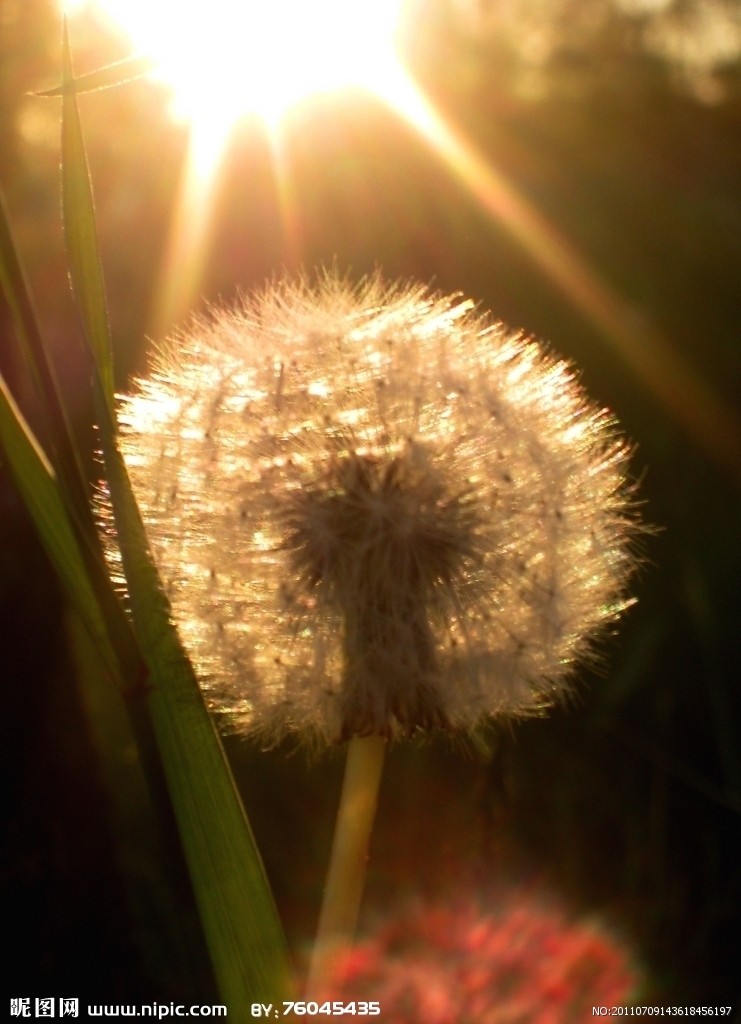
x: 346, y: 874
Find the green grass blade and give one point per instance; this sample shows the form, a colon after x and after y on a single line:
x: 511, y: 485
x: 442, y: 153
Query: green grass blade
x: 58, y: 438
x: 234, y: 900
x: 62, y: 449
x: 239, y: 918
x: 86, y: 272
x: 37, y: 484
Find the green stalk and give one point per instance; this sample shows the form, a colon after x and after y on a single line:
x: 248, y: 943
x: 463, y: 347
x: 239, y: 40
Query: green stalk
x: 346, y: 873
x: 182, y: 751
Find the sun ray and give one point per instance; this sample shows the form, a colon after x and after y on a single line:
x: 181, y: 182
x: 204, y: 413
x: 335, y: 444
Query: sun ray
x: 287, y: 205
x: 239, y: 58
x: 181, y: 270
x: 674, y: 382
x: 228, y: 61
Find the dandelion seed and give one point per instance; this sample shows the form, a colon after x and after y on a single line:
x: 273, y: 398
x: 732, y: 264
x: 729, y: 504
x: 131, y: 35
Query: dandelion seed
x: 375, y: 511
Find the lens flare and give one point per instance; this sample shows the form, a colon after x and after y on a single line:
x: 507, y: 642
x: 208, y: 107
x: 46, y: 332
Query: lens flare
x: 223, y: 60
x: 228, y: 60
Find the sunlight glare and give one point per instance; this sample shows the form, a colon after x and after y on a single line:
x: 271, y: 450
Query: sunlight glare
x: 225, y: 59
x: 673, y: 381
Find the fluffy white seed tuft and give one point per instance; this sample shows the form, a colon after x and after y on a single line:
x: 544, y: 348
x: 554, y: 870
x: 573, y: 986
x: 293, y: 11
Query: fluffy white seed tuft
x: 375, y: 511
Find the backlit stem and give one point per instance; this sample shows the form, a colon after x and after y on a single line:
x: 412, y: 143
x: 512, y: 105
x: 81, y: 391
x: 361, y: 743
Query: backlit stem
x: 346, y: 873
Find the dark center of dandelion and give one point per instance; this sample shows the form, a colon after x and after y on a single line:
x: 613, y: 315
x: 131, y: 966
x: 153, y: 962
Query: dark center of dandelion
x: 384, y: 544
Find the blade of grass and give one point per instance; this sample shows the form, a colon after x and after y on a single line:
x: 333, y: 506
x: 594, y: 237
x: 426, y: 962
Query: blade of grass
x: 55, y: 492
x: 38, y: 487
x: 237, y: 911
x: 161, y: 911
x: 239, y: 917
x: 107, y: 77
x: 63, y: 452
x: 58, y: 433
x: 78, y: 215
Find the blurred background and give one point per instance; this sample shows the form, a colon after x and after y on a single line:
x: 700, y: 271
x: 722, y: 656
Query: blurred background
x: 575, y: 167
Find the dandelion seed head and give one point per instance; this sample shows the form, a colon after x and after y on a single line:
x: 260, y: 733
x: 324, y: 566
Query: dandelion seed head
x: 375, y: 511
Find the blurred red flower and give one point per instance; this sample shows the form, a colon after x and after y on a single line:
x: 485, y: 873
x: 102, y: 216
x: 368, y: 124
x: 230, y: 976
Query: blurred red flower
x: 520, y: 961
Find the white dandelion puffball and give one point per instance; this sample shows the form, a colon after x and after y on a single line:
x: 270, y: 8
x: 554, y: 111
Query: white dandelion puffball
x: 375, y: 511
